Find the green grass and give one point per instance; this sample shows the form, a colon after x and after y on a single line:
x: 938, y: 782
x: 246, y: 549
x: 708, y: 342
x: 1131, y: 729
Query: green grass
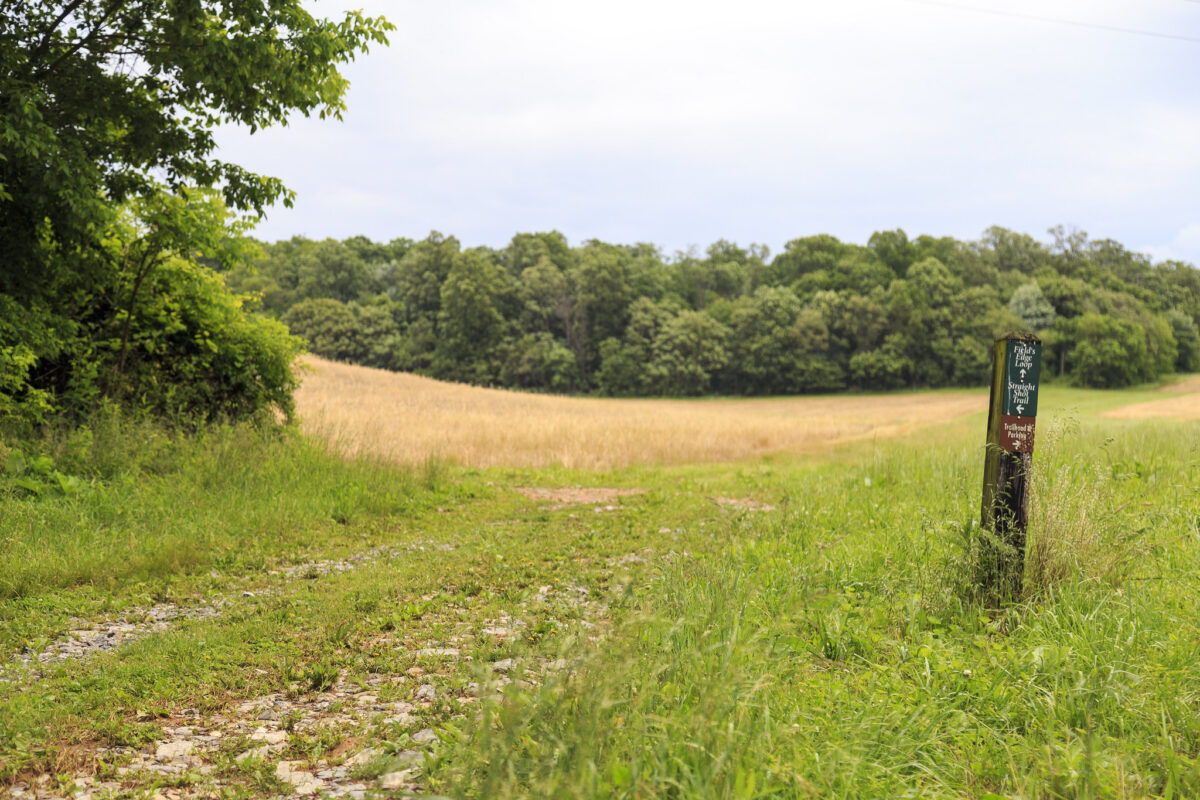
x: 152, y: 517
x: 829, y: 648
x: 829, y: 655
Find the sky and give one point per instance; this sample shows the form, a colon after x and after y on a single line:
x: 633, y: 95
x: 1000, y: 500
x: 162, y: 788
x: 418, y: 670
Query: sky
x: 680, y: 123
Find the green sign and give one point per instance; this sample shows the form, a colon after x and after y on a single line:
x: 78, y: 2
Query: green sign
x: 1023, y: 369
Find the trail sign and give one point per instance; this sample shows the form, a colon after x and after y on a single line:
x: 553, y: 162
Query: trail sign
x: 1016, y: 372
x: 1022, y: 371
x: 1023, y: 368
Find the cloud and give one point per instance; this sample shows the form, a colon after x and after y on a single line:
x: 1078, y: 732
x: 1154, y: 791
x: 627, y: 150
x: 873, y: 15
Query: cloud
x: 683, y: 122
x: 1184, y: 246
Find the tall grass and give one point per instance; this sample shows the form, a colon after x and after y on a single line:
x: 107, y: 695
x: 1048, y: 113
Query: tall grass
x: 1099, y: 512
x: 822, y: 657
x: 825, y: 649
x: 407, y: 419
x: 134, y: 502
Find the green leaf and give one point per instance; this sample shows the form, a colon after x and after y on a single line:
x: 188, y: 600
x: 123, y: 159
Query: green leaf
x: 68, y: 484
x: 30, y: 485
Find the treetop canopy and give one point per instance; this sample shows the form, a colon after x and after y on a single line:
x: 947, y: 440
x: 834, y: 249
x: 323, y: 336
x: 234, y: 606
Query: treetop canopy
x: 101, y: 98
x: 109, y: 235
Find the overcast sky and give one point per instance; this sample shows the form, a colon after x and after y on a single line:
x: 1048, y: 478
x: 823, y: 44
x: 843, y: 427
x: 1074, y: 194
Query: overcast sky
x: 680, y: 123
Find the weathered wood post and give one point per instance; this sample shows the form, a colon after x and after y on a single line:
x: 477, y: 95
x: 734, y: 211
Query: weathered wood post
x: 1016, y: 369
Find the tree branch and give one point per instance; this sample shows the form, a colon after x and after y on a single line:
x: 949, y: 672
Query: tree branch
x: 79, y: 45
x: 44, y: 44
x: 140, y: 274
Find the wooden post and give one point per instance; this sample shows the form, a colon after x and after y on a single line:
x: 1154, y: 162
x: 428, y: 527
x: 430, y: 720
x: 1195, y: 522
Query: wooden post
x: 1016, y: 370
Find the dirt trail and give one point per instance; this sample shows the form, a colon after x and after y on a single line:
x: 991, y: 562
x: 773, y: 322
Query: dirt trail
x: 386, y: 724
x: 88, y: 638
x: 1184, y: 403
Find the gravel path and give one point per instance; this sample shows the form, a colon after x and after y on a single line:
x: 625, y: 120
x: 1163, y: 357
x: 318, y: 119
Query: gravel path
x: 87, y: 638
x: 206, y: 756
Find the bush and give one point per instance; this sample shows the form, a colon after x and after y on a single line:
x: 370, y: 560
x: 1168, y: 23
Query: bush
x: 1187, y: 339
x: 885, y: 368
x: 196, y: 354
x: 144, y: 321
x: 1108, y: 352
x: 538, y: 361
x: 24, y: 335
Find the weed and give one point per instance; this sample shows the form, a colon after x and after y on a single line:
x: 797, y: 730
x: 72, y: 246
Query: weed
x: 840, y: 636
x: 289, y: 720
x: 979, y: 569
x: 1078, y: 531
x: 321, y: 676
x: 342, y: 632
x: 405, y: 612
x: 366, y: 605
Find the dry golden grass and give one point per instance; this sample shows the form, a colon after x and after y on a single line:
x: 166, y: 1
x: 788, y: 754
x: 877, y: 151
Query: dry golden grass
x: 410, y: 419
x: 1185, y: 386
x: 1077, y: 532
x: 1185, y: 404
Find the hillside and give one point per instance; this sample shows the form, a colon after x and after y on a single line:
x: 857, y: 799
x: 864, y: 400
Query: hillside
x: 410, y: 419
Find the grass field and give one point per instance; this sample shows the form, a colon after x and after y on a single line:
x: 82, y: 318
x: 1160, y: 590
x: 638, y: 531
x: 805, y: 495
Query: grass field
x: 408, y: 419
x: 694, y: 617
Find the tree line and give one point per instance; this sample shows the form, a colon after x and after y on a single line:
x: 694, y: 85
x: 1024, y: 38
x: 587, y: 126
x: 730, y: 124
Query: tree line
x: 822, y: 315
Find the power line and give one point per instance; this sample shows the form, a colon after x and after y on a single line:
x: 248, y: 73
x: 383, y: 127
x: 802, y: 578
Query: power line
x: 1059, y: 21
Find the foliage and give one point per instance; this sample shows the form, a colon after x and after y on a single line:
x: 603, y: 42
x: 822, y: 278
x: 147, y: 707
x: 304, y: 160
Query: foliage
x: 154, y: 326
x: 25, y: 335
x: 100, y: 96
x: 821, y: 316
x: 109, y: 284
x: 1028, y: 303
x: 182, y: 345
x: 196, y: 354
x: 1107, y: 351
x: 471, y: 326
x: 328, y: 327
x: 688, y: 351
x: 539, y: 361
x: 1187, y: 339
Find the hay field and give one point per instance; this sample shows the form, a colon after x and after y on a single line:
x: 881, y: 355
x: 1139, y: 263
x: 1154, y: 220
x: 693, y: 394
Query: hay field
x: 409, y: 419
x: 1183, y: 405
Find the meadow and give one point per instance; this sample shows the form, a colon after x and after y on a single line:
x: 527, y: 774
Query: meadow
x: 408, y: 419
x: 585, y: 598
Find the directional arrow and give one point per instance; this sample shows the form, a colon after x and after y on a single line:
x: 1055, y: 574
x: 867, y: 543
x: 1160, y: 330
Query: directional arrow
x: 1020, y: 409
x: 1022, y: 374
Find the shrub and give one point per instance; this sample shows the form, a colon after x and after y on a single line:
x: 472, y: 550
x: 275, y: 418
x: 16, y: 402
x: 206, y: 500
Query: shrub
x: 197, y: 354
x: 145, y: 320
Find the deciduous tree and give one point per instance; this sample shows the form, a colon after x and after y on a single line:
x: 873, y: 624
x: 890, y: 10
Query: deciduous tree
x: 101, y: 103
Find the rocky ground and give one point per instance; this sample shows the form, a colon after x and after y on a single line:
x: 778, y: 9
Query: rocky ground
x: 330, y: 735
x: 87, y: 638
x: 328, y: 731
